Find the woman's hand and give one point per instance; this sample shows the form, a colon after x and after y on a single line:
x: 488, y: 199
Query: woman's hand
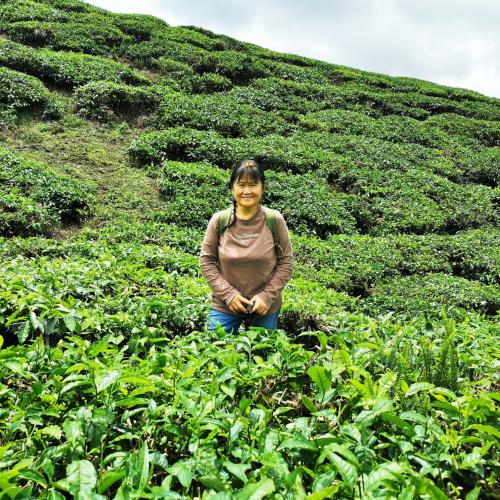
x: 260, y: 306
x: 237, y: 305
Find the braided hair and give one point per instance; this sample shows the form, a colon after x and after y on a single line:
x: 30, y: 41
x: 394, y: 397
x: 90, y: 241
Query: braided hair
x: 247, y: 167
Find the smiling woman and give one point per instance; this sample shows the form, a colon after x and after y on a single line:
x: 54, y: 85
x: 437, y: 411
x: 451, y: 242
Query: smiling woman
x: 249, y: 264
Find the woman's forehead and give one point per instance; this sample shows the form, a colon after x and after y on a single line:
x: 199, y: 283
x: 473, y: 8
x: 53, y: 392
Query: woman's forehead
x: 247, y: 178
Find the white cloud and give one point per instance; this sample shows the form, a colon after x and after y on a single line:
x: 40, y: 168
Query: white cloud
x: 452, y: 42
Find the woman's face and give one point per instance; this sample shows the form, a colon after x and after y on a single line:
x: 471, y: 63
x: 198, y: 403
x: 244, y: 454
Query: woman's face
x: 247, y: 192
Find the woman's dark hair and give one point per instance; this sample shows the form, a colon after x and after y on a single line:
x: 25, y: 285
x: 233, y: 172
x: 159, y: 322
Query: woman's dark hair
x: 248, y: 167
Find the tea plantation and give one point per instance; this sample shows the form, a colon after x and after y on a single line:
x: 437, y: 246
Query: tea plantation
x: 117, y: 135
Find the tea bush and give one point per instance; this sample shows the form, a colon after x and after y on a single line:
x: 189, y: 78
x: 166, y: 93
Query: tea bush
x: 35, y: 198
x: 95, y: 37
x: 277, y: 152
x: 417, y: 201
x: 141, y: 27
x: 218, y: 113
x: 19, y: 91
x: 12, y: 11
x: 102, y: 100
x: 205, y: 412
x: 412, y: 295
x: 487, y: 133
x: 397, y: 129
x: 22, y: 215
x: 210, y: 83
x: 68, y: 69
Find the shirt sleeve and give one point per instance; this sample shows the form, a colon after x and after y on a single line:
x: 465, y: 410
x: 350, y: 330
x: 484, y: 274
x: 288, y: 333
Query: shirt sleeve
x: 209, y: 264
x: 284, y: 267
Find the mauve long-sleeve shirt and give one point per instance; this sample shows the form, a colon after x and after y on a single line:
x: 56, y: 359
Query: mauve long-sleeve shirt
x: 244, y: 261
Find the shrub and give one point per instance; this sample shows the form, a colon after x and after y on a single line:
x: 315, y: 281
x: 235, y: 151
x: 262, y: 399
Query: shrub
x: 417, y: 201
x: 208, y: 83
x: 475, y: 255
x: 101, y: 100
x: 276, y: 152
x: 69, y: 69
x: 474, y: 164
x: 12, y: 11
x: 292, y: 72
x: 22, y: 215
x: 96, y: 37
x: 56, y: 197
x: 20, y: 91
x: 486, y: 133
x: 149, y: 52
x: 219, y: 113
x: 8, y: 116
x: 397, y: 129
x: 140, y: 26
x: 321, y: 212
x: 273, y: 94
x: 413, y: 295
x: 176, y: 75
x: 76, y: 6
x: 239, y: 67
x: 198, y: 185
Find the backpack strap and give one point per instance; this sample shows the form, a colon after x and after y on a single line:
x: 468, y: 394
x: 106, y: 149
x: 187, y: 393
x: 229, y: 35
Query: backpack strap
x: 271, y: 217
x: 223, y: 220
x: 272, y: 223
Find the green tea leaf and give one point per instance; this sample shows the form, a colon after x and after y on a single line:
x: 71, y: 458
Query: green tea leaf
x: 256, y: 491
x: 321, y: 377
x: 80, y: 479
x: 104, y: 380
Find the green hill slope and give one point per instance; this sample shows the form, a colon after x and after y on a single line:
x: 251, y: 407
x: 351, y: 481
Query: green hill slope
x: 117, y: 135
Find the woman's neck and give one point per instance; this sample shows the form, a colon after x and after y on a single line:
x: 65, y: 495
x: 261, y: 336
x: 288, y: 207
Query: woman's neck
x: 246, y: 213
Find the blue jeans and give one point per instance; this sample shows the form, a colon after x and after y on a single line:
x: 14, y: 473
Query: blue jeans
x: 231, y: 322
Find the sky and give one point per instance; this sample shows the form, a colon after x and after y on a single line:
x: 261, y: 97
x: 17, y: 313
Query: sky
x: 451, y: 42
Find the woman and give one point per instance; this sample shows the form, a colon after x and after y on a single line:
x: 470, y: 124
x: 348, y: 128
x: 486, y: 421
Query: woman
x: 242, y: 267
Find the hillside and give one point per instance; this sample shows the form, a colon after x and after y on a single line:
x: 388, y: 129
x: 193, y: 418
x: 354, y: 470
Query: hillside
x: 117, y: 135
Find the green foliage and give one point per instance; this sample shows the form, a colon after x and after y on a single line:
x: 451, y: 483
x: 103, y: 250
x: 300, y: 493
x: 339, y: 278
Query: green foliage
x: 140, y: 26
x: 69, y: 69
x: 33, y: 198
x: 417, y: 201
x: 393, y: 128
x: 22, y: 215
x: 276, y: 152
x: 103, y: 100
x: 186, y: 184
x: 487, y: 133
x: 200, y: 53
x: 73, y: 6
x: 94, y: 37
x: 213, y: 413
x: 390, y: 193
x: 209, y: 83
x: 149, y: 53
x: 12, y: 11
x: 380, y: 379
x: 481, y: 166
x: 19, y: 91
x: 219, y: 113
x: 412, y: 295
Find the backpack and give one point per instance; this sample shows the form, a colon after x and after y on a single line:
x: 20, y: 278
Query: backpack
x: 271, y: 217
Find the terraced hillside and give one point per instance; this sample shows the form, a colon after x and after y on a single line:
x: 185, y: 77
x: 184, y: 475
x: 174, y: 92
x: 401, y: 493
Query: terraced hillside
x: 117, y: 133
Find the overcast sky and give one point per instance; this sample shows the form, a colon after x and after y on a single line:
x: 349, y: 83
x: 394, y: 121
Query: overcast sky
x: 452, y: 42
